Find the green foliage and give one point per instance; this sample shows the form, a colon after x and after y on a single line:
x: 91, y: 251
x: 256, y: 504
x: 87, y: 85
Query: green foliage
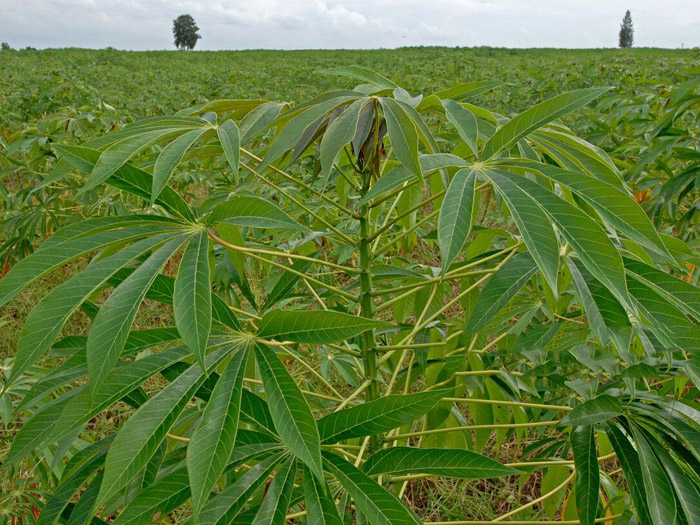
x: 185, y: 32
x: 626, y: 31
x: 490, y: 294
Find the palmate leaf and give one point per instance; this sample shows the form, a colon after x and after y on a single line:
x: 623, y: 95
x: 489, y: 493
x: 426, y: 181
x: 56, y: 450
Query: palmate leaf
x: 465, y: 122
x: 379, y: 415
x: 230, y: 138
x: 119, y: 153
x: 403, y: 135
x: 314, y: 327
x: 192, y: 303
x: 139, y: 438
x: 128, y: 178
x: 537, y: 116
x: 533, y: 224
x: 72, y: 410
x: 379, y: 506
x: 361, y: 73
x: 629, y: 460
x: 212, y: 442
x: 75, y: 241
x: 587, y: 238
x: 320, y: 507
x: 606, y: 315
x: 225, y: 506
x: 75, y: 367
x: 613, y: 204
x: 501, y: 287
x: 81, y: 467
x: 339, y: 134
x: 294, y: 422
x: 273, y: 508
x: 682, y: 294
x: 660, y: 495
x: 170, y: 157
x: 463, y: 464
x: 587, y: 473
x: 593, y: 411
x: 110, y: 329
x: 456, y: 216
x: 294, y: 129
x: 686, y: 490
x: 245, y: 210
x: 162, y: 497
x: 46, y: 320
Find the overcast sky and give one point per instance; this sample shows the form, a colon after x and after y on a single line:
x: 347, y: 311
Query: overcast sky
x: 331, y: 24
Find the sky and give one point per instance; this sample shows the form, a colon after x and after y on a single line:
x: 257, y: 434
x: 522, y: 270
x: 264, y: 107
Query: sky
x: 359, y: 24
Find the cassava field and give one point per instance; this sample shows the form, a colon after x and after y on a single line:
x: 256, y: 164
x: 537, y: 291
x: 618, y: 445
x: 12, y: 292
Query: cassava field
x: 424, y: 285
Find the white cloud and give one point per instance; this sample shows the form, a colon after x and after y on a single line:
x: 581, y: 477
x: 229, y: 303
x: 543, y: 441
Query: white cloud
x: 290, y: 24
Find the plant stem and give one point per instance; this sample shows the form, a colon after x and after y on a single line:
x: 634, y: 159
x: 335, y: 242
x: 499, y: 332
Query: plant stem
x: 368, y: 344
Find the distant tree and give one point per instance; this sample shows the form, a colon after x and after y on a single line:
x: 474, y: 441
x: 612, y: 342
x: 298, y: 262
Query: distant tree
x: 627, y: 31
x: 185, y: 32
x: 5, y: 46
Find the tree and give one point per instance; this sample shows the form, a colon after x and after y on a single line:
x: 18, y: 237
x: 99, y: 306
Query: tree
x: 627, y: 31
x: 185, y: 31
x: 5, y: 46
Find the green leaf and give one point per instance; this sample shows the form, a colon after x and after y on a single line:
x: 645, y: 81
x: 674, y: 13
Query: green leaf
x: 244, y: 210
x: 192, y: 302
x: 259, y: 119
x: 273, y: 508
x: 230, y: 139
x: 142, y: 433
x: 660, y: 495
x: 593, y: 411
x: 534, y: 225
x: 320, y: 507
x: 380, y: 415
x: 613, y: 204
x: 46, y: 319
x: 463, y: 464
x: 587, y: 237
x: 629, y: 460
x: 83, y: 465
x: 501, y: 287
x: 293, y: 419
x: 119, y: 153
x: 314, y: 327
x: 456, y: 216
x: 169, y: 159
x: 162, y: 497
x: 379, y: 506
x: 361, y: 73
x: 587, y: 473
x: 339, y: 134
x: 284, y: 286
x: 403, y: 135
x: 75, y: 241
x: 465, y: 122
x: 687, y: 491
x: 606, y: 315
x: 537, y: 116
x: 225, y: 506
x: 683, y: 294
x: 298, y: 125
x: 211, y: 444
x: 128, y: 178
x: 390, y: 180
x: 110, y: 328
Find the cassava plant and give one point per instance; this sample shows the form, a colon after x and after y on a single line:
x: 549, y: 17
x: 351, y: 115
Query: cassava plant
x: 382, y: 288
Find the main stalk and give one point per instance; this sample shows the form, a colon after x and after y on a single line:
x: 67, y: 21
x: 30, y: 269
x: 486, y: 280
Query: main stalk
x: 368, y: 349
